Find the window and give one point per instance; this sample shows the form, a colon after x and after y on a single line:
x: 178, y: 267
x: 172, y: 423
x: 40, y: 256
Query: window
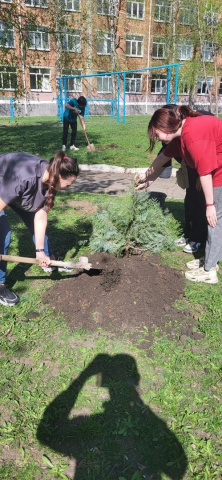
x: 40, y: 79
x: 133, y: 83
x: 163, y: 11
x: 6, y: 1
x: 38, y: 38
x: 72, y: 5
x: 36, y: 3
x: 71, y: 41
x: 208, y: 51
x: 135, y: 9
x: 211, y: 18
x: 220, y: 87
x: 202, y: 87
x: 134, y: 46
x: 183, y: 88
x: 104, y: 44
x: 73, y: 84
x: 159, y: 84
x: 185, y: 50
x: 106, y: 7
x: 159, y: 48
x: 186, y: 15
x: 8, y: 78
x: 6, y: 36
x: 104, y: 84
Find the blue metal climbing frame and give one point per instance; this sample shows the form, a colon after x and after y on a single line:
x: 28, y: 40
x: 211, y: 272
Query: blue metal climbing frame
x: 121, y: 75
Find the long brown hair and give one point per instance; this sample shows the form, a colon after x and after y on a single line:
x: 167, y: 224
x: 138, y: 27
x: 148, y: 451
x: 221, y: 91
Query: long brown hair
x: 168, y: 119
x: 60, y: 165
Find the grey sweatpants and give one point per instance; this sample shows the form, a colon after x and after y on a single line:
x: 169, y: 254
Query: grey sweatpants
x: 213, y: 250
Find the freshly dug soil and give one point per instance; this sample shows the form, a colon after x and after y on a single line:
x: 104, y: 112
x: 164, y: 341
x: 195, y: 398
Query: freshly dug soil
x: 133, y: 295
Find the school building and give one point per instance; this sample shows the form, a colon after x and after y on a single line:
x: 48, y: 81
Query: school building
x: 41, y: 40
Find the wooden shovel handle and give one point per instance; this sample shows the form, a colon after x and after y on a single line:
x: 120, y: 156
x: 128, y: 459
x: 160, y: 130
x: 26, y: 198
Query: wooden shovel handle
x: 82, y: 263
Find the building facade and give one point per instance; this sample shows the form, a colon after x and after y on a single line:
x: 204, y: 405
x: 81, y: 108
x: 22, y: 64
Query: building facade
x: 41, y: 40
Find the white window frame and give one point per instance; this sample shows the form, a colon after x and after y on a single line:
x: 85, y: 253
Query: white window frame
x: 186, y: 15
x: 73, y: 84
x: 162, y: 12
x: 208, y: 51
x: 159, y: 48
x: 104, y: 41
x: 185, y: 49
x: 104, y: 7
x: 71, y: 41
x: 159, y: 81
x: 104, y: 84
x: 135, y: 9
x: 201, y: 85
x: 134, y: 46
x: 71, y: 5
x: 183, y: 88
x: 36, y: 3
x: 37, y: 40
x: 6, y: 1
x: 9, y: 38
x: 12, y: 75
x: 134, y: 83
x: 43, y: 78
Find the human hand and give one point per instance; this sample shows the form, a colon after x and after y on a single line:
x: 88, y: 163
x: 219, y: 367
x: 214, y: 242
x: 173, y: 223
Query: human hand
x: 43, y: 259
x: 211, y: 215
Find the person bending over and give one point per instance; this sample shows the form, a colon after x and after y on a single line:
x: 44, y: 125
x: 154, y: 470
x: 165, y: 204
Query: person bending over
x: 198, y: 140
x: 28, y: 185
x: 73, y: 108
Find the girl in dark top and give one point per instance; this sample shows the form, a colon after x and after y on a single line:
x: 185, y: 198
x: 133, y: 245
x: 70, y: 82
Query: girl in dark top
x: 28, y: 184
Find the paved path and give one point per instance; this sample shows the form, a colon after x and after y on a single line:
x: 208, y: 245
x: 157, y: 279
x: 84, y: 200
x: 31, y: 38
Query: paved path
x: 119, y: 183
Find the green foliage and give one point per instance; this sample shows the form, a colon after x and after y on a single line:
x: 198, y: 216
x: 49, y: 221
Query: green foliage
x: 141, y: 223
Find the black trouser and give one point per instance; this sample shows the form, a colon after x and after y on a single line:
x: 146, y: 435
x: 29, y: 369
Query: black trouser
x: 73, y: 126
x: 195, y: 210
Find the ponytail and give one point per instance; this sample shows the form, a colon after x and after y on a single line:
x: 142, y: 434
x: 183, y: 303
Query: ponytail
x: 63, y: 166
x: 168, y: 119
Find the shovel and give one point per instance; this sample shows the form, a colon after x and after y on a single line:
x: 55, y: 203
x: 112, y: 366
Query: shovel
x: 90, y: 146
x: 82, y: 262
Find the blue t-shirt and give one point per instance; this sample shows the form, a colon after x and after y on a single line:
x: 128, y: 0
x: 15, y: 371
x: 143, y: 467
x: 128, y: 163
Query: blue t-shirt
x: 70, y: 115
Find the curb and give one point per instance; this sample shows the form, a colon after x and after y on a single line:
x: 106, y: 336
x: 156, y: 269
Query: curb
x: 103, y: 168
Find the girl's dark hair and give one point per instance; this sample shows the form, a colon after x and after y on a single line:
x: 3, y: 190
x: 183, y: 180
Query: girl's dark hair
x: 82, y: 101
x: 168, y: 119
x: 60, y: 165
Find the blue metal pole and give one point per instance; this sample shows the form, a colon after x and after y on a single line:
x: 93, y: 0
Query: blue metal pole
x: 118, y: 97
x: 124, y: 98
x: 168, y: 85
x: 176, y: 84
x: 11, y: 108
x: 60, y: 98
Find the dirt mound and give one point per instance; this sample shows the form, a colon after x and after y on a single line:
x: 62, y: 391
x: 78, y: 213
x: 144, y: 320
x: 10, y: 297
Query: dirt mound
x: 133, y: 295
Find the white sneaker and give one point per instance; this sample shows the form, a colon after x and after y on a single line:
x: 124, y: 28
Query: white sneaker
x: 192, y: 247
x: 181, y: 242
x: 63, y: 148
x: 195, y: 264
x: 201, y: 275
x: 49, y: 269
x: 74, y: 148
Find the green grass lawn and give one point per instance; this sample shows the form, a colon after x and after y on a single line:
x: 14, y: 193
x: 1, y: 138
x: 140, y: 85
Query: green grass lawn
x: 180, y: 381
x: 43, y: 136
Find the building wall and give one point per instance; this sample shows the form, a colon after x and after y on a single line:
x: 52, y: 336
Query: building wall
x: 96, y: 50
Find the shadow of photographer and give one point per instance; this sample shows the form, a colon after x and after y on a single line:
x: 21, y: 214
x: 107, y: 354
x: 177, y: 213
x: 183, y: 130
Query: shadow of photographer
x: 126, y: 437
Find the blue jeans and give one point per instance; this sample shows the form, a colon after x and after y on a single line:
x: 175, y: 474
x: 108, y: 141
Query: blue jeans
x: 5, y: 236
